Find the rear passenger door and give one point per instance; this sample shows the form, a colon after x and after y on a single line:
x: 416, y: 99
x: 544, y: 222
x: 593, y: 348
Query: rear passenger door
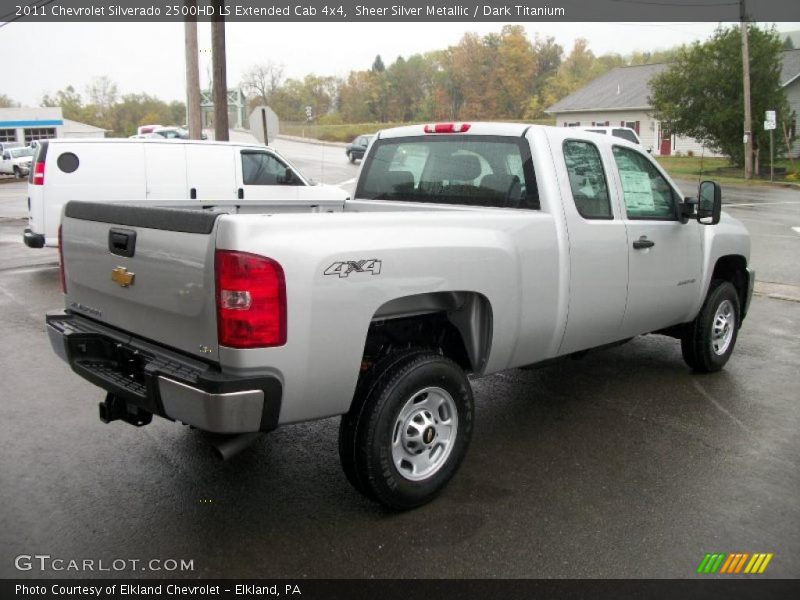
x: 263, y: 176
x: 598, y: 257
x: 664, y: 255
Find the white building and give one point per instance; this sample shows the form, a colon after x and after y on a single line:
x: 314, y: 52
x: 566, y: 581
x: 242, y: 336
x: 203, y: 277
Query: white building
x: 620, y: 97
x: 25, y: 124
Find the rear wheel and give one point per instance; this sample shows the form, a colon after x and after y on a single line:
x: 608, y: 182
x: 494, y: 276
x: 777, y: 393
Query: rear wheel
x: 708, y: 341
x: 409, y: 429
x: 17, y: 173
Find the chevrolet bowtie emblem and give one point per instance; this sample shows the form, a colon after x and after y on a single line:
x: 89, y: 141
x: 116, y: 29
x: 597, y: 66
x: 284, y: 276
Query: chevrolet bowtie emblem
x: 122, y: 276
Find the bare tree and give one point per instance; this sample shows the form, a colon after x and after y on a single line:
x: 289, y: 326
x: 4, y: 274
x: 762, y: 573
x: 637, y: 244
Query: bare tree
x: 262, y: 80
x: 102, y: 92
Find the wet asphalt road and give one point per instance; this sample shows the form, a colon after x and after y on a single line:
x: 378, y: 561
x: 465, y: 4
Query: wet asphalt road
x: 622, y: 464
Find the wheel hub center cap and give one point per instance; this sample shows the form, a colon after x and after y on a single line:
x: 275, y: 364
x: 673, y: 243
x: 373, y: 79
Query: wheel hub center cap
x: 428, y: 435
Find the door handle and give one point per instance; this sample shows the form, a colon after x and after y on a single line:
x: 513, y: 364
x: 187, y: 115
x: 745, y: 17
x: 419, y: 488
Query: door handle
x: 643, y: 242
x: 193, y: 194
x: 241, y: 194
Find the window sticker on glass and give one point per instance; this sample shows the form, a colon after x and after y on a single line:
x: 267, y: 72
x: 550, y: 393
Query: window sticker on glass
x: 637, y: 190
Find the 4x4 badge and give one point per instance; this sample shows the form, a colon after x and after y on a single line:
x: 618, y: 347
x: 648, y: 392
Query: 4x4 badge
x: 344, y: 268
x: 122, y: 276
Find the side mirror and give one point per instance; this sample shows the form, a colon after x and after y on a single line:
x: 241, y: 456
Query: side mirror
x: 709, y: 206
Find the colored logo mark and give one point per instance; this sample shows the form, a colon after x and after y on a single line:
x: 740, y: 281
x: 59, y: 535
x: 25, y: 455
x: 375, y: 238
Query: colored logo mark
x: 735, y: 563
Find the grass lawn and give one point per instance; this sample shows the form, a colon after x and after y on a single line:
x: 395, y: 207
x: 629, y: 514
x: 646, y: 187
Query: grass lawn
x: 721, y: 171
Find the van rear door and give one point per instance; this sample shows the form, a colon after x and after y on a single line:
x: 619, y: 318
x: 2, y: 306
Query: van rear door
x: 105, y: 171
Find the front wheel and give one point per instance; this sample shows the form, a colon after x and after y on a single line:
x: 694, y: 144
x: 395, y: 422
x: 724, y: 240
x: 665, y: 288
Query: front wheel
x: 17, y: 173
x: 707, y: 342
x: 408, y: 430
x: 351, y: 157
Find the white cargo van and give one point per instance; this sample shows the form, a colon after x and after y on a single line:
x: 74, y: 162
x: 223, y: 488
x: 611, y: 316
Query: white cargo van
x: 209, y: 175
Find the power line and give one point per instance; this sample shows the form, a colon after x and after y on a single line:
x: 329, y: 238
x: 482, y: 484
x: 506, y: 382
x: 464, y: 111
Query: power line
x: 37, y: 4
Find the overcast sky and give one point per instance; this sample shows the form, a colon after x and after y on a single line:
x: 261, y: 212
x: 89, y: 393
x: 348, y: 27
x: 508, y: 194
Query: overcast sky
x: 45, y: 57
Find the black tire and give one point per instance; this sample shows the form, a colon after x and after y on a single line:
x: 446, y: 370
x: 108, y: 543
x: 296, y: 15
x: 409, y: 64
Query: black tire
x: 367, y: 431
x: 351, y: 157
x: 697, y: 341
x: 17, y: 173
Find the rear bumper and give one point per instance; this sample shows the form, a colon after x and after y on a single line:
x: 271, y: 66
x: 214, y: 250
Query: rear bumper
x: 33, y: 240
x: 162, y: 381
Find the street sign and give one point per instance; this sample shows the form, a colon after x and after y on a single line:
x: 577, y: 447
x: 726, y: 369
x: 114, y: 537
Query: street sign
x: 770, y: 122
x: 263, y: 124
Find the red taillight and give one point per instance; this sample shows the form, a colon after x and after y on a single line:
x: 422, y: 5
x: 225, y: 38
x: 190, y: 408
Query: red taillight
x: 251, y: 300
x: 38, y: 173
x: 447, y: 127
x: 61, y: 261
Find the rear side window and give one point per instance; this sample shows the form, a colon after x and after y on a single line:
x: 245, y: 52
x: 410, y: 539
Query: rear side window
x: 625, y: 134
x: 490, y: 171
x: 68, y: 162
x: 260, y: 168
x: 647, y: 193
x: 587, y: 179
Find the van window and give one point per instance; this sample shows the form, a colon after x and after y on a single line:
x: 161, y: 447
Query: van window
x: 491, y: 171
x: 260, y: 168
x: 647, y: 193
x: 587, y: 179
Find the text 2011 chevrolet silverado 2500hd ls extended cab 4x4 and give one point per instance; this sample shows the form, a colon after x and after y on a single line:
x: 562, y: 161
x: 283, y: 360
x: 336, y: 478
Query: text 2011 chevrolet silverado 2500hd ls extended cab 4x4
x: 467, y: 249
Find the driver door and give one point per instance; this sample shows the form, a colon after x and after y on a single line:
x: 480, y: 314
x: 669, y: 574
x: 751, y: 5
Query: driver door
x: 664, y: 255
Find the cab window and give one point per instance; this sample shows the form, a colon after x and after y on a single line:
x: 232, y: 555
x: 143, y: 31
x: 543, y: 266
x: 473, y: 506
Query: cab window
x: 647, y: 193
x: 587, y: 179
x: 260, y: 168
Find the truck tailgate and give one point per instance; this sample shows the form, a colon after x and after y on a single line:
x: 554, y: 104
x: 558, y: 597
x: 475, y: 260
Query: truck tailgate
x: 147, y: 271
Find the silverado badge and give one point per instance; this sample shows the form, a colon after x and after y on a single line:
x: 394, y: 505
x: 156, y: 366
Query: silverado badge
x: 122, y: 276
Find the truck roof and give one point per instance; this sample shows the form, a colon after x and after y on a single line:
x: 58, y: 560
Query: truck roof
x: 505, y: 129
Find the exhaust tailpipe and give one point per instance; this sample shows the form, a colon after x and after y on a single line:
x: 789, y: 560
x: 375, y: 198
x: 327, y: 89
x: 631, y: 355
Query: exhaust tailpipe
x: 228, y: 446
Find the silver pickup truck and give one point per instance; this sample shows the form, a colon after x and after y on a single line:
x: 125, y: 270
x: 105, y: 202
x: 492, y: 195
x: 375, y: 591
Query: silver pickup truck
x: 467, y: 249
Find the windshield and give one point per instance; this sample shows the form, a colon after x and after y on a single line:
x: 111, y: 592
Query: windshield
x: 18, y: 152
x: 491, y: 171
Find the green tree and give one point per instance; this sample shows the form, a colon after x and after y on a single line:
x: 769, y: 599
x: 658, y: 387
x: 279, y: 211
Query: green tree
x: 700, y: 95
x: 70, y: 102
x: 6, y: 102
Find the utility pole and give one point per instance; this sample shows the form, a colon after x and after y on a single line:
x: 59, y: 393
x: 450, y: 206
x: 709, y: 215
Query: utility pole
x: 192, y: 77
x: 218, y: 62
x: 748, y: 127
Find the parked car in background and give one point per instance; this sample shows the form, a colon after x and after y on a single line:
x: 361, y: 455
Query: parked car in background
x: 16, y: 161
x: 626, y: 133
x: 356, y: 149
x: 6, y: 145
x: 177, y: 173
x: 142, y: 129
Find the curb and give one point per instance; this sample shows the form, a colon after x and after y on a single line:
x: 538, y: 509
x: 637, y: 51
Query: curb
x: 777, y: 291
x: 295, y: 138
